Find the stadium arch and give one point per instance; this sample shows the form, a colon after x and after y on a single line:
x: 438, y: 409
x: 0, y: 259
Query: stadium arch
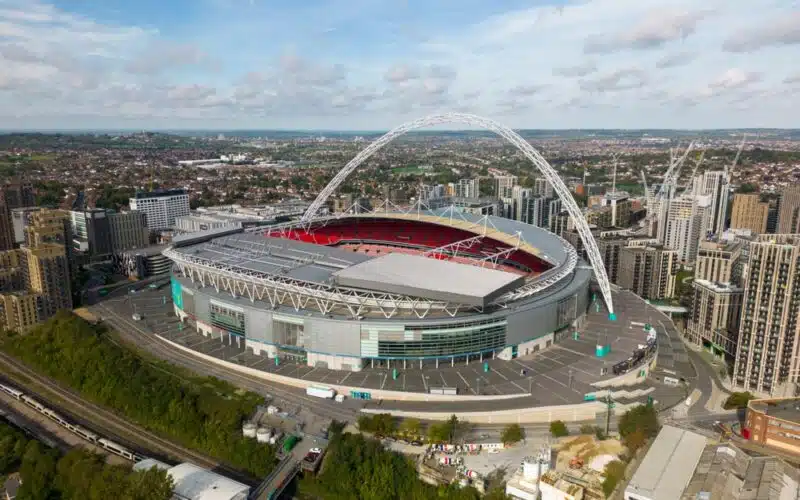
x: 514, y: 138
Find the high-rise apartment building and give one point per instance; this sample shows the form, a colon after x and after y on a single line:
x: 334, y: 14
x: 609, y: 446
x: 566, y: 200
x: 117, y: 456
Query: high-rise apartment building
x: 749, y: 212
x: 161, y: 207
x: 717, y: 261
x: 714, y: 184
x: 536, y: 211
x: 767, y: 359
x: 466, y: 188
x: 772, y: 217
x: 599, y: 217
x: 717, y: 295
x: 611, y: 244
x: 19, y: 311
x: 91, y: 233
x: 46, y: 271
x: 17, y: 194
x: 517, y: 209
x: 542, y: 188
x: 789, y: 210
x: 621, y: 205
x: 11, y: 276
x: 714, y: 317
x: 504, y: 185
x: 20, y: 218
x: 48, y: 226
x: 128, y: 231
x: 686, y: 221
x: 6, y: 228
x: 649, y: 271
x: 560, y: 223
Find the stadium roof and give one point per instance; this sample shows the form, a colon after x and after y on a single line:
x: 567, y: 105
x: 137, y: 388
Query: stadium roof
x: 668, y: 466
x: 283, y: 257
x: 429, y: 278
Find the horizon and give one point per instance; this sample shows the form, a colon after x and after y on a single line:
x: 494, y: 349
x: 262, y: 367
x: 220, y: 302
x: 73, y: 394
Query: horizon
x: 382, y: 131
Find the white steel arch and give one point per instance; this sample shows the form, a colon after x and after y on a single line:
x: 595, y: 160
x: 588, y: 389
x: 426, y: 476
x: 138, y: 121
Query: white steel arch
x: 532, y: 154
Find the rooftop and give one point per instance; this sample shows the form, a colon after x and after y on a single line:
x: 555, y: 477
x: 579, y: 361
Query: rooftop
x: 283, y: 257
x: 669, y: 465
x: 726, y: 472
x: 716, y: 286
x: 784, y: 409
x: 159, y: 193
x: 429, y: 278
x: 195, y: 483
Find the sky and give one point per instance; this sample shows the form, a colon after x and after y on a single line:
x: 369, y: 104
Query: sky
x: 375, y: 64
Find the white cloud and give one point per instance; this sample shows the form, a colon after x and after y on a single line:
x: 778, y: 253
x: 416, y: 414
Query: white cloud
x: 783, y: 30
x: 676, y: 59
x: 621, y: 79
x: 735, y: 78
x: 358, y: 63
x: 168, y: 56
x: 653, y: 31
x: 579, y: 70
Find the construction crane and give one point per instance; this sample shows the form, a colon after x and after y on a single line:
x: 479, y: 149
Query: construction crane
x: 615, y: 157
x: 736, y: 158
x: 694, y: 170
x: 674, y: 170
x: 668, y: 184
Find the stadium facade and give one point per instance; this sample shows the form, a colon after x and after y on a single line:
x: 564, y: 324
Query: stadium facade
x: 349, y: 291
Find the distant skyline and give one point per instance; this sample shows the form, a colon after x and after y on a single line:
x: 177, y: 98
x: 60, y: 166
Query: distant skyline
x: 371, y: 65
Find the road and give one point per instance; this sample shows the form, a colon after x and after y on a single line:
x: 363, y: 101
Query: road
x: 286, y: 470
x: 108, y: 423
x: 118, y: 315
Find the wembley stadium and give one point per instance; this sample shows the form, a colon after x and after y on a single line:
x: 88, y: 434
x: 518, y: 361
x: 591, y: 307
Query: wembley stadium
x: 354, y: 290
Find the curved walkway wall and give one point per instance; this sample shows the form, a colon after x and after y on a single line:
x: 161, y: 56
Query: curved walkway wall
x: 343, y: 389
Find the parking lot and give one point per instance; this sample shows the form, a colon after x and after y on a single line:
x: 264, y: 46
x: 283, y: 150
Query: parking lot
x: 561, y: 374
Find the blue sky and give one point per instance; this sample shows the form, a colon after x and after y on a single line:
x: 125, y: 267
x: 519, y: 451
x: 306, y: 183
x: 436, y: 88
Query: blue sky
x: 373, y: 64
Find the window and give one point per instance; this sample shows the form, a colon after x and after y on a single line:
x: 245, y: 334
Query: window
x: 227, y: 319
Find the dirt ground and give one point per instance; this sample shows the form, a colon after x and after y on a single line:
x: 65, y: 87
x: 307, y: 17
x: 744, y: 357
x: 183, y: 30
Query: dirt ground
x: 586, y: 447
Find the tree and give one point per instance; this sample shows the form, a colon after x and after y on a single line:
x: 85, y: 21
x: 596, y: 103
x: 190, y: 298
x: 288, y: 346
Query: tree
x: 634, y: 441
x: 747, y: 188
x: 439, y: 433
x: 587, y: 429
x: 511, y: 434
x: 411, y: 428
x: 737, y: 400
x: 357, y: 468
x: 641, y: 418
x: 452, y: 428
x: 558, y: 429
x: 38, y: 470
x: 614, y: 472
x: 383, y: 424
x: 198, y: 412
x: 365, y: 423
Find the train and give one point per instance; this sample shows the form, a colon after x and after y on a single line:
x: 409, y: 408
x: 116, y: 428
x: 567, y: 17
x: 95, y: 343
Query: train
x: 639, y: 354
x: 84, y: 433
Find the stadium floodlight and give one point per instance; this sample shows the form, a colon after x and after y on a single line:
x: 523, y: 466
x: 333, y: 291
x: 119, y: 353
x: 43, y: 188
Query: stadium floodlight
x: 515, y: 139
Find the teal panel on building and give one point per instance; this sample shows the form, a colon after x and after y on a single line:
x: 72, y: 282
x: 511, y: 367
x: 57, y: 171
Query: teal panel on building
x: 177, y: 296
x: 602, y: 350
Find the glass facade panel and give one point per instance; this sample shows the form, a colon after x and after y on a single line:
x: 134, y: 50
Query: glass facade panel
x: 289, y: 335
x: 449, y: 340
x: 227, y: 319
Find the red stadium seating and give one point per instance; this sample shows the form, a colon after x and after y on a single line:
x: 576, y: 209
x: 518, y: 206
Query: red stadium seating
x: 417, y: 234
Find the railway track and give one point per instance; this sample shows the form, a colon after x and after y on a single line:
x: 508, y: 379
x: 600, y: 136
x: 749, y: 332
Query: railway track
x: 149, y: 342
x: 113, y: 425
